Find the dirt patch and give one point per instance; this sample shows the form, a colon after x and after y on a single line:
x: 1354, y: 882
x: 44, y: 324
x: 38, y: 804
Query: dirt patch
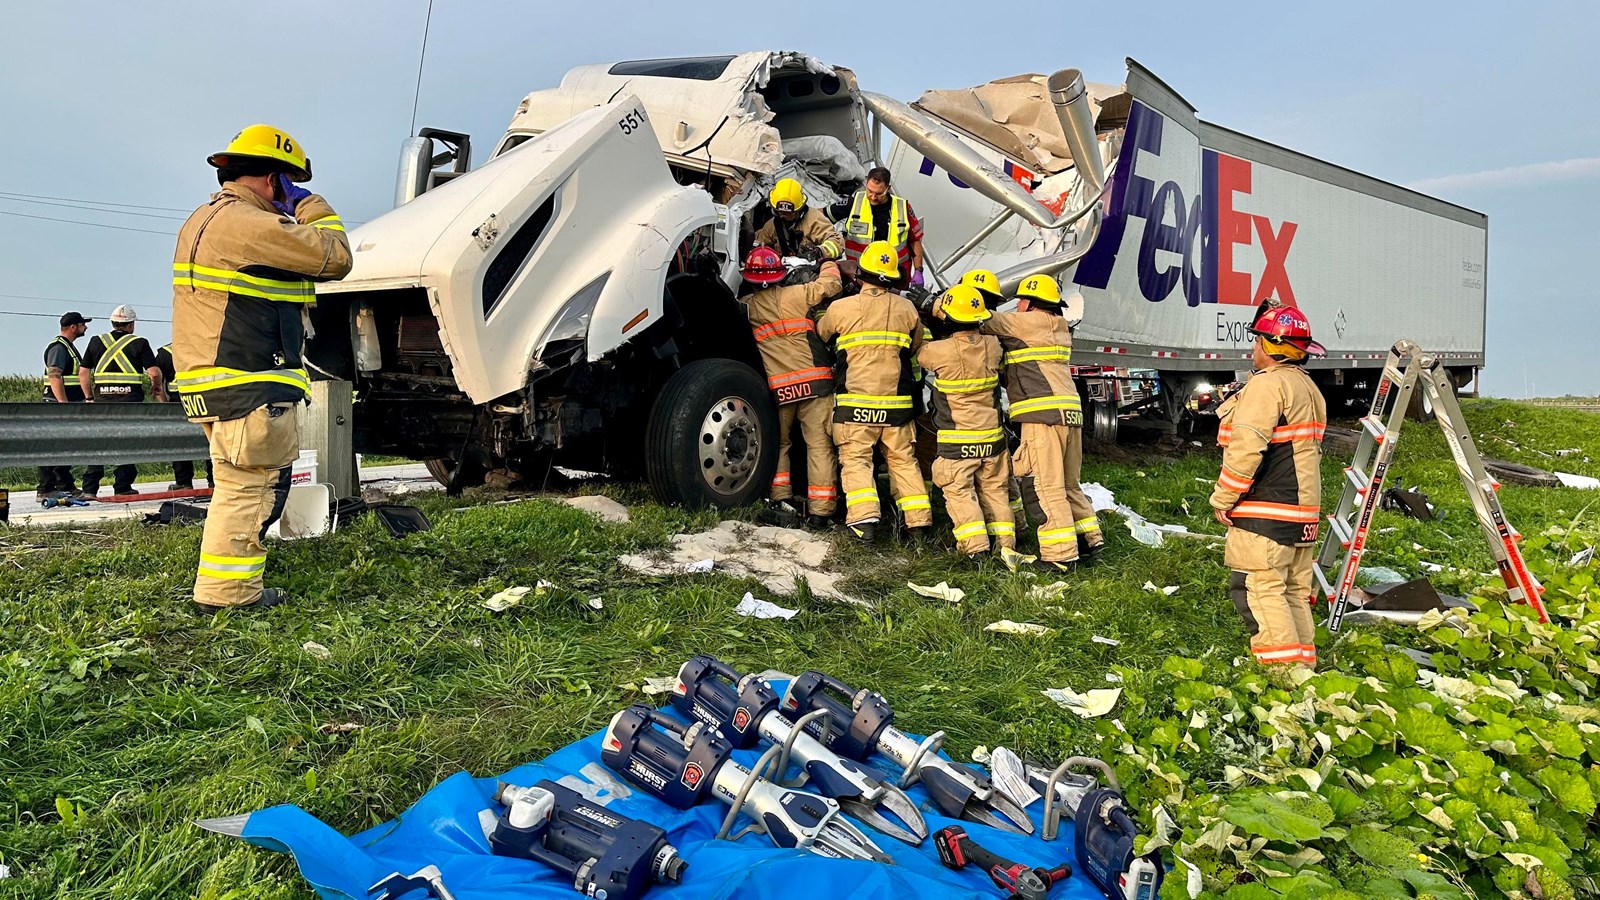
x: 780, y: 558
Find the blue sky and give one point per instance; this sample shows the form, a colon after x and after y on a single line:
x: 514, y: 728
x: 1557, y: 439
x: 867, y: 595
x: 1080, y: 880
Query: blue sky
x: 1486, y: 105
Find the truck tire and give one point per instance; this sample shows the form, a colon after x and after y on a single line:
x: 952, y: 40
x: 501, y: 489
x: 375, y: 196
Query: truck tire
x: 444, y: 469
x: 712, y: 439
x: 1100, y: 420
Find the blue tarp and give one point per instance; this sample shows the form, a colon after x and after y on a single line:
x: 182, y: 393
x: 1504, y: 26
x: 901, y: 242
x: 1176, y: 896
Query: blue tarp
x: 446, y: 828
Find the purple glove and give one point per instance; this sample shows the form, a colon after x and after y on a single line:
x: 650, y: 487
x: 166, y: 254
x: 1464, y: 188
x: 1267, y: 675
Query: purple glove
x: 916, y: 277
x: 291, y: 193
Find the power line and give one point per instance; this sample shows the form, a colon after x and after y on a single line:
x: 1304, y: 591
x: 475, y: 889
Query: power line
x: 68, y: 300
x: 417, y: 96
x: 5, y: 212
x: 115, y: 212
x: 12, y: 312
x: 95, y: 202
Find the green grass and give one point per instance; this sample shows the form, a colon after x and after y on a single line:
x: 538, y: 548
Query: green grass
x: 113, y: 697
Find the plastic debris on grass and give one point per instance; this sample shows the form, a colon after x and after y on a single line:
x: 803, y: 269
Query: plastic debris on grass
x: 1169, y: 590
x: 1109, y: 642
x: 1581, y: 482
x: 1006, y: 626
x: 699, y: 566
x: 940, y: 591
x: 762, y: 609
x: 1089, y: 704
x: 780, y: 558
x: 316, y: 651
x: 1009, y: 774
x: 1379, y: 575
x: 1143, y: 530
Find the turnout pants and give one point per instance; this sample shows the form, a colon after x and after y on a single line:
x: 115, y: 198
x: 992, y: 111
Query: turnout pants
x: 977, y: 499
x: 1271, y: 589
x: 251, y: 458
x: 855, y: 444
x: 822, y: 468
x: 1047, y: 463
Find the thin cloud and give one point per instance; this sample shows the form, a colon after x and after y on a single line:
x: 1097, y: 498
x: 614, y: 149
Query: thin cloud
x: 1514, y: 176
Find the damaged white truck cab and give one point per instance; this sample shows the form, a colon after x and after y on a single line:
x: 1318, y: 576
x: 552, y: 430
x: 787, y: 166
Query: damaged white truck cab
x: 574, y: 300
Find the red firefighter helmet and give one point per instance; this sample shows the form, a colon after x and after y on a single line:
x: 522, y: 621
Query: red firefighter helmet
x: 764, y: 266
x: 1281, y: 324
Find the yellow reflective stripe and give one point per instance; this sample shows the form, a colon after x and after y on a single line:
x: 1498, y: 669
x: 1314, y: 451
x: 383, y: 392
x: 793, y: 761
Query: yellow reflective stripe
x: 1002, y: 528
x: 966, y: 385
x: 956, y: 436
x: 876, y: 401
x: 1039, y: 354
x: 861, y: 496
x: 329, y: 222
x: 1087, y: 525
x: 874, y: 338
x: 1057, y: 536
x: 195, y: 381
x: 1053, y: 401
x: 915, y: 501
x: 970, y: 529
x: 200, y: 277
x: 231, y: 567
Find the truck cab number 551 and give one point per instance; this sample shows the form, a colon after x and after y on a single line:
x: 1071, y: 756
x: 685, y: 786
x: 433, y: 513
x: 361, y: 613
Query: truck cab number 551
x: 631, y: 122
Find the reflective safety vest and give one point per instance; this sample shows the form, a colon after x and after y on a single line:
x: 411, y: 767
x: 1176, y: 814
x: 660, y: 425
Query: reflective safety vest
x: 114, y: 366
x: 71, y: 377
x: 859, y: 228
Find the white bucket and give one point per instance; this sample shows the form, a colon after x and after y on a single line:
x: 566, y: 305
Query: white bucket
x: 304, y: 469
x: 305, y: 513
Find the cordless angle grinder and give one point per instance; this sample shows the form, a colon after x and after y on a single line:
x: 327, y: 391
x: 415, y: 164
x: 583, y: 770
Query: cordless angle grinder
x: 862, y: 723
x: 1104, y: 831
x: 608, y: 856
x: 958, y: 850
x: 683, y: 764
x: 744, y: 708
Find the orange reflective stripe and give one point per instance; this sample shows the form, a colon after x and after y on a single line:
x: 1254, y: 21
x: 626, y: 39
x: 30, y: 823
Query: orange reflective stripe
x: 1233, y: 482
x: 1303, y: 431
x: 822, y: 493
x: 781, y: 478
x: 1285, y: 653
x: 1224, y: 432
x: 1282, y: 512
x: 798, y: 376
x: 782, y: 327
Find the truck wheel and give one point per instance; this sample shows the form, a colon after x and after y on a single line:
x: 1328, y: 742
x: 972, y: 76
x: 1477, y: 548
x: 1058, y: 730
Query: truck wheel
x: 443, y: 470
x: 1102, y: 421
x: 712, y: 437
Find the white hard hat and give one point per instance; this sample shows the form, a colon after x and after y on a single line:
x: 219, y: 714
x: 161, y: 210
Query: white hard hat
x: 124, y: 313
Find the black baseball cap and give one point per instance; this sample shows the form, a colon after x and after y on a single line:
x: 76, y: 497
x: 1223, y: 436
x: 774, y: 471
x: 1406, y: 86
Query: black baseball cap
x: 74, y: 318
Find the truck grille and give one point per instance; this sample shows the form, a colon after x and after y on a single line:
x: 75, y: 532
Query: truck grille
x: 419, y: 335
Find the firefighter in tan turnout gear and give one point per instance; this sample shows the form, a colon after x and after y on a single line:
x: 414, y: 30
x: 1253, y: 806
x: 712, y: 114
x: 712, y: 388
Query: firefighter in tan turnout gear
x: 800, y: 372
x: 1269, y: 492
x: 1044, y: 401
x: 242, y: 277
x: 794, y: 225
x: 875, y: 335
x: 972, y: 469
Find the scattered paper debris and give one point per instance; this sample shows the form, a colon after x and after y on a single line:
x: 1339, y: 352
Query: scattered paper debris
x: 1051, y: 591
x: 506, y: 599
x: 1089, y: 705
x: 1113, y: 677
x: 761, y: 609
x: 1006, y: 626
x: 1100, y: 496
x: 1169, y: 590
x: 663, y: 685
x: 316, y: 651
x: 1015, y: 560
x: 781, y: 558
x: 1109, y: 642
x: 1011, y: 776
x: 604, y: 507
x: 339, y: 727
x: 1569, y: 452
x: 5, y: 871
x: 1582, y: 557
x: 595, y: 603
x: 699, y: 566
x: 981, y: 755
x: 940, y: 591
x: 1581, y: 482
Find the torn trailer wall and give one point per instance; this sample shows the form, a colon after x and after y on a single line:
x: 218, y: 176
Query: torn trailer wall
x: 1015, y: 116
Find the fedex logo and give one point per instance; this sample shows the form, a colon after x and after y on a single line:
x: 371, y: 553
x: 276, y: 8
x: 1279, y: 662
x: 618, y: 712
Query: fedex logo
x: 1016, y: 173
x: 1208, y: 224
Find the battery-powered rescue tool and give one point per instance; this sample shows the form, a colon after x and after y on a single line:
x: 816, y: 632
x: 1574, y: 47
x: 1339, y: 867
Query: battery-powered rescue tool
x: 745, y: 709
x: 683, y: 764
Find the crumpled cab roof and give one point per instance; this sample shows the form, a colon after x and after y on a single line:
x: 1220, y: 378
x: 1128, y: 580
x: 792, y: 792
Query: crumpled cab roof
x: 697, y: 105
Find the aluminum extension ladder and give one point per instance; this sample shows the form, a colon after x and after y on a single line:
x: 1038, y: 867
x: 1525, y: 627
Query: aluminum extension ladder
x: 1346, y: 539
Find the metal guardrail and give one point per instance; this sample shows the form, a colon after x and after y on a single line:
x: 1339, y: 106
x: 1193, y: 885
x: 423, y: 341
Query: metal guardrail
x: 84, y: 434
x: 1566, y: 403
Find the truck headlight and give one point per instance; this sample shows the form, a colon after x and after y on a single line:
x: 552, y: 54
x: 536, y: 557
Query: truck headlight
x: 570, y: 327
